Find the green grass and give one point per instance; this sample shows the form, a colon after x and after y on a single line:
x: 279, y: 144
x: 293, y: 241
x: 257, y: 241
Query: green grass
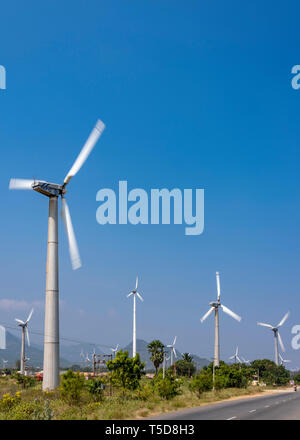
x: 35, y: 404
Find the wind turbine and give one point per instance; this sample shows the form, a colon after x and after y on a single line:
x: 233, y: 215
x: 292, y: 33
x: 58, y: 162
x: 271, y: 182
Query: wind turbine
x: 53, y: 191
x: 236, y: 357
x: 114, y: 350
x: 246, y: 361
x: 135, y: 294
x: 24, y: 326
x: 283, y: 361
x: 277, y: 336
x: 214, y: 306
x: 173, y: 351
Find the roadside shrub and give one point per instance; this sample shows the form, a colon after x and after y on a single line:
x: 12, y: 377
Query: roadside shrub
x: 167, y: 388
x: 25, y: 381
x: 95, y: 388
x: 145, y: 392
x: 71, y: 387
x: 126, y: 372
x: 8, y: 401
x: 201, y: 382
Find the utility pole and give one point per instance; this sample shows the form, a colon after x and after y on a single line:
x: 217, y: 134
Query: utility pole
x: 164, y: 365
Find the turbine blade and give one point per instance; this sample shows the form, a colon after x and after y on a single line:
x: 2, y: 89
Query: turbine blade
x: 30, y: 315
x: 19, y: 320
x: 175, y: 340
x: 86, y: 150
x: 174, y: 351
x: 231, y: 313
x: 280, y: 342
x: 136, y: 283
x: 73, y: 248
x: 139, y: 296
x: 20, y: 184
x: 231, y: 357
x: 206, y: 314
x: 131, y: 293
x: 264, y: 325
x: 283, y: 319
x: 27, y: 334
x: 218, y: 285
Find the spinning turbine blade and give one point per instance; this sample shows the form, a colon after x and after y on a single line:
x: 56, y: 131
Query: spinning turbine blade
x: 129, y: 294
x: 218, y: 285
x: 139, y: 296
x: 280, y: 342
x: 27, y: 334
x: 86, y: 150
x: 174, y: 351
x: 136, y: 283
x: 175, y: 340
x: 206, y: 314
x: 73, y: 248
x: 283, y: 319
x: 20, y: 184
x: 264, y: 325
x: 30, y: 315
x: 230, y: 313
x: 19, y: 320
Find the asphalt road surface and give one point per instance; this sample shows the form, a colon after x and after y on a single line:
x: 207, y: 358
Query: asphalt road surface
x: 279, y: 406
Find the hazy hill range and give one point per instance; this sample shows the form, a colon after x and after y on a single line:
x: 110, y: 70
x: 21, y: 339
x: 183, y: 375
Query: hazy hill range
x: 75, y: 354
x: 141, y: 348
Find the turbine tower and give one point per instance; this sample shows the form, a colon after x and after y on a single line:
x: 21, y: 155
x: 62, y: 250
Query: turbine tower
x: 173, y: 351
x: 24, y: 326
x: 236, y: 357
x: 277, y: 336
x: 135, y: 294
x: 114, y: 350
x: 53, y: 191
x: 214, y: 306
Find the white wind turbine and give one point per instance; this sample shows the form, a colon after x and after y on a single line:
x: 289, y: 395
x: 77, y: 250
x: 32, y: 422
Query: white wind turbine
x: 214, y: 306
x: 236, y: 357
x: 24, y: 326
x: 246, y: 361
x: 53, y: 191
x: 173, y: 351
x: 114, y: 350
x: 135, y: 294
x: 277, y: 336
x: 283, y: 361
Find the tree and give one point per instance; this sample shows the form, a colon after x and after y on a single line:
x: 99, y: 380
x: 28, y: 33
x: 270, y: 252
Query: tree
x: 156, y: 349
x: 185, y: 367
x: 187, y: 357
x: 71, y: 386
x: 201, y: 382
x: 126, y: 372
x: 168, y: 387
x: 269, y: 372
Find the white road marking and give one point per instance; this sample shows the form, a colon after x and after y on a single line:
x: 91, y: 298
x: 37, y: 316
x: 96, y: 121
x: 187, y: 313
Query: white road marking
x: 252, y: 410
x: 231, y: 418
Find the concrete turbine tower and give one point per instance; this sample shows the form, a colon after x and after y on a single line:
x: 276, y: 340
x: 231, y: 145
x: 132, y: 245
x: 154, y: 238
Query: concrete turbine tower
x: 214, y: 306
x: 53, y: 191
x: 135, y: 294
x: 277, y: 336
x: 24, y: 326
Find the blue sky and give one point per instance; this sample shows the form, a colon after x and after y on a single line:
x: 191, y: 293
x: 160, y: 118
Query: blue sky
x: 194, y: 95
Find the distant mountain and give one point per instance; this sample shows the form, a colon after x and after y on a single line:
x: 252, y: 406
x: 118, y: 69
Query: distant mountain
x: 71, y: 354
x: 76, y: 354
x: 141, y: 348
x: 13, y: 350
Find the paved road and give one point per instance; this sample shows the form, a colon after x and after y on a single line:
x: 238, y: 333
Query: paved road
x: 279, y: 406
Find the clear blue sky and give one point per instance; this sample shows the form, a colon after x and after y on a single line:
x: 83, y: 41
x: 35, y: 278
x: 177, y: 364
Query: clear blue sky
x: 194, y: 95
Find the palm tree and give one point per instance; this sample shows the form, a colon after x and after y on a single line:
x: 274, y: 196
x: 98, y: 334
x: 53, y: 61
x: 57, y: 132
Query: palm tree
x: 156, y: 349
x: 187, y: 357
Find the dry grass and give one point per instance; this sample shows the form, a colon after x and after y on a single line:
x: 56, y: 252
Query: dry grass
x: 112, y: 408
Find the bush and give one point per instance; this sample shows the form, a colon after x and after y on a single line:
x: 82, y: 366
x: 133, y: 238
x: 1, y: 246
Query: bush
x: 8, y: 401
x: 95, y: 388
x: 201, y: 382
x: 167, y: 388
x: 25, y: 381
x: 126, y: 372
x: 145, y: 392
x: 71, y: 386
